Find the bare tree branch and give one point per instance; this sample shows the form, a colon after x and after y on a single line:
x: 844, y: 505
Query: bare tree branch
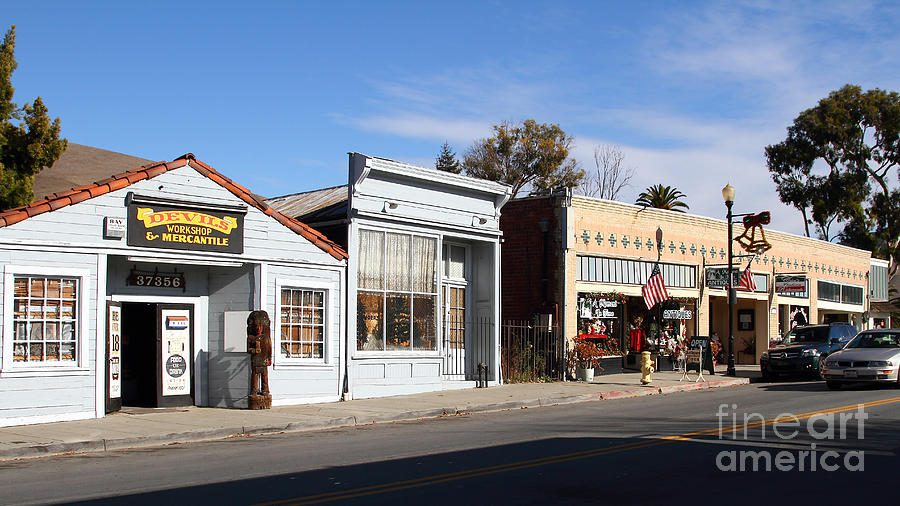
x: 610, y: 175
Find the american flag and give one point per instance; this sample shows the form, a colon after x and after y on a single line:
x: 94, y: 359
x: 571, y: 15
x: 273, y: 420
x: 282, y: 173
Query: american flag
x: 654, y: 291
x: 746, y: 280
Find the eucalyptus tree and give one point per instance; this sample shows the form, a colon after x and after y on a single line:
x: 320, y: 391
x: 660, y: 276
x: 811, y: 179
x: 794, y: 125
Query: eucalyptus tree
x: 838, y: 166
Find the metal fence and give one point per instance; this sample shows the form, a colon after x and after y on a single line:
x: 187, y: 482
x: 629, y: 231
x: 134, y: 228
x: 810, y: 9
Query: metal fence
x: 530, y: 352
x: 469, y: 357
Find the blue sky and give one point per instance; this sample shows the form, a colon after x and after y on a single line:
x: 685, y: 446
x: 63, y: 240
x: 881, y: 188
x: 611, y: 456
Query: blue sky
x: 274, y: 94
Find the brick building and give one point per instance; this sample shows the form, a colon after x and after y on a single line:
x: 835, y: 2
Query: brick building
x: 583, y: 261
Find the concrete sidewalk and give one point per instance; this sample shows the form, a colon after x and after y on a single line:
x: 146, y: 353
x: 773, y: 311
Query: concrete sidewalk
x: 141, y: 427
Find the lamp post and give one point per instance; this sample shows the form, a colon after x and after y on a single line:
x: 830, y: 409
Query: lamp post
x: 659, y: 243
x: 659, y: 250
x: 728, y: 195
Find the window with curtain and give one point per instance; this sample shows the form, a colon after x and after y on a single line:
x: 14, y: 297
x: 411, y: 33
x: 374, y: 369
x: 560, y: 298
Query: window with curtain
x: 397, y: 292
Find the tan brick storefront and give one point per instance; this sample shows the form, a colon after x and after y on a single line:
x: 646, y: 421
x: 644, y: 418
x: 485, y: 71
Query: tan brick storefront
x: 560, y: 250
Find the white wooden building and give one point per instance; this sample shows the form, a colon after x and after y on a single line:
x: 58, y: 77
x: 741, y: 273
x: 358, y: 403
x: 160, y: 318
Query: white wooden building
x: 134, y: 291
x: 423, y: 274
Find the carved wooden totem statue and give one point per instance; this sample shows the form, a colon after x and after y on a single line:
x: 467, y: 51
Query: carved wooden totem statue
x: 259, y: 345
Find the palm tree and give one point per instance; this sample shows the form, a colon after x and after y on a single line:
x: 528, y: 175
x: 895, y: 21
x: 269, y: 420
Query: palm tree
x: 662, y: 197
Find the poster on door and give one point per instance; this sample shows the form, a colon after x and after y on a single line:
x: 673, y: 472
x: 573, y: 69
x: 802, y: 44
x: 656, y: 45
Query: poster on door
x: 176, y: 351
x: 115, y: 352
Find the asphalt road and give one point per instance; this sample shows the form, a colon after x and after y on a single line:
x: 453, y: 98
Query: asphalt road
x: 676, y: 449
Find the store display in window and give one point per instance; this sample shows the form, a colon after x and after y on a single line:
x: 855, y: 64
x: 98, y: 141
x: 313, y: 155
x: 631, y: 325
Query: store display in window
x: 44, y: 319
x: 397, y: 298
x: 599, y: 321
x: 636, y: 338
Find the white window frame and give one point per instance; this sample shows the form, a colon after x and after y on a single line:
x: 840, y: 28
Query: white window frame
x: 467, y: 262
x: 301, y: 284
x: 83, y: 309
x: 438, y: 282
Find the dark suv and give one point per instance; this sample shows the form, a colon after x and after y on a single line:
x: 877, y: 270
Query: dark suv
x: 804, y: 348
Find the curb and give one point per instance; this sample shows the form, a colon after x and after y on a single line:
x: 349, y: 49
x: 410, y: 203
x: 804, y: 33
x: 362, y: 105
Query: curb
x: 200, y: 435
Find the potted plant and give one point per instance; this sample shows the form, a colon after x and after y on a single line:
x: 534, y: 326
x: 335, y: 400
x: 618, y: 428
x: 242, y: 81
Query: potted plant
x: 584, y: 359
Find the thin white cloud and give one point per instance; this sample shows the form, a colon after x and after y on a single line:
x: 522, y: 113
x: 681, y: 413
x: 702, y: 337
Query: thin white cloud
x: 418, y: 126
x: 487, y: 89
x: 702, y: 173
x: 725, y: 42
x: 709, y: 156
x: 720, y: 82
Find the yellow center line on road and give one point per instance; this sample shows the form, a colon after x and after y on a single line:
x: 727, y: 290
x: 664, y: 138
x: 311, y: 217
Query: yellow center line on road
x: 782, y: 419
x: 556, y: 459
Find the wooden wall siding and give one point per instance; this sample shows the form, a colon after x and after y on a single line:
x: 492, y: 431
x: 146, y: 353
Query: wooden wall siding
x: 484, y: 322
x: 68, y: 236
x: 42, y: 396
x: 228, y: 374
x: 82, y: 224
x: 426, y: 370
x: 296, y: 383
x: 419, y: 201
x: 395, y: 376
x: 428, y: 203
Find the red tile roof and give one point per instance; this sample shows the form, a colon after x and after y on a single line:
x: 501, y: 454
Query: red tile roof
x: 119, y: 181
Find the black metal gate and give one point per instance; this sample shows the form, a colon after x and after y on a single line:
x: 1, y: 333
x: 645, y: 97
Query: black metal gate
x: 530, y: 352
x: 468, y: 351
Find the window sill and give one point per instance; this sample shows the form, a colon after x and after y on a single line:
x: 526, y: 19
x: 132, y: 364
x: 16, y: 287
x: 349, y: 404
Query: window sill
x: 39, y: 372
x: 286, y: 364
x: 396, y: 354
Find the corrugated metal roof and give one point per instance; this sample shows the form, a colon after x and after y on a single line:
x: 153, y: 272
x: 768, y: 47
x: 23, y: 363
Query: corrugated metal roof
x: 327, y: 203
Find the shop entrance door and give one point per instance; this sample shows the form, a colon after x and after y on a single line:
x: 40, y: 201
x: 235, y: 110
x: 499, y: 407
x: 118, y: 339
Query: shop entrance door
x: 455, y: 331
x: 157, y: 354
x: 113, y: 356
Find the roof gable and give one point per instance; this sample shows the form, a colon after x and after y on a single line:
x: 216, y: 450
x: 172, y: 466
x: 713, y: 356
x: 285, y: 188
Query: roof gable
x: 122, y: 180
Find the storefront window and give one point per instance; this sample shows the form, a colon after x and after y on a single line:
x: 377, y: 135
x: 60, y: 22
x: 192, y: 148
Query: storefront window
x: 633, y: 272
x: 302, y: 323
x: 397, y: 296
x: 837, y: 292
x: 600, y: 319
x: 851, y: 294
x: 45, y: 323
x: 663, y: 329
x: 829, y: 291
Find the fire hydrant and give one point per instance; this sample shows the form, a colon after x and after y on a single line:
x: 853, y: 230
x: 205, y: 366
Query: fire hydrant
x: 646, y: 367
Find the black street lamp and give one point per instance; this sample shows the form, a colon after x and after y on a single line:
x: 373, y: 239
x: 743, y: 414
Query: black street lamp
x: 728, y: 195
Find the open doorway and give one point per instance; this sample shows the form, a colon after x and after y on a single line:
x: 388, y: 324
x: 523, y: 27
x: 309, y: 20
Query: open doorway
x: 157, y: 354
x: 139, y: 354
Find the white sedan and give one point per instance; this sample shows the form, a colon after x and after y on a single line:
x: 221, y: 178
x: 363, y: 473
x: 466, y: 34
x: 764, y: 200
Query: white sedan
x: 873, y: 356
